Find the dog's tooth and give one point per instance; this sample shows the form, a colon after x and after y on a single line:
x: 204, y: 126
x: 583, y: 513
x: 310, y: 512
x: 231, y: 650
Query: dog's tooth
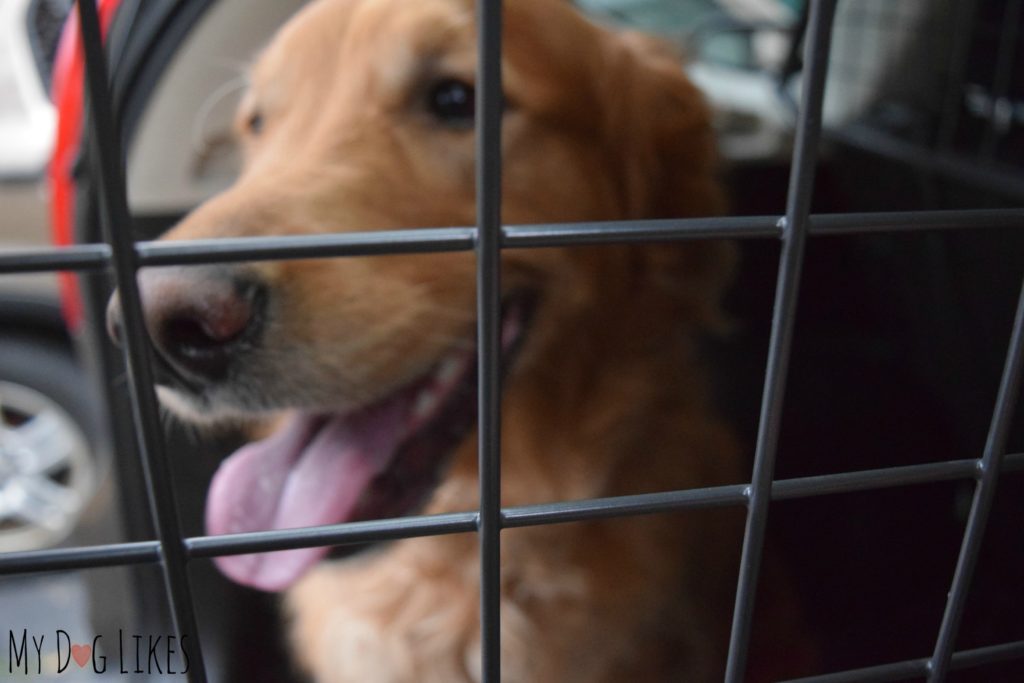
x: 449, y: 369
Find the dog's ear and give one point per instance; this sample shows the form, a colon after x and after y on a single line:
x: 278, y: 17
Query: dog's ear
x: 659, y: 128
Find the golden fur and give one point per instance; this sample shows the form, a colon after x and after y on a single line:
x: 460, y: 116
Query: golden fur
x: 607, y: 398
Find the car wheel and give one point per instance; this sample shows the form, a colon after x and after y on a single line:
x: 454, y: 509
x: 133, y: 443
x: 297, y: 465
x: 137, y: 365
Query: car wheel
x: 49, y: 468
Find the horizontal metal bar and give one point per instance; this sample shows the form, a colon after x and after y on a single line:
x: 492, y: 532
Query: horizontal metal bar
x: 87, y: 557
x: 881, y: 478
x: 897, y: 671
x: 513, y: 517
x: 622, y: 506
x: 338, y: 534
x: 79, y: 257
x: 422, y: 240
x: 915, y: 221
x: 782, y: 489
x: 739, y: 227
x: 522, y: 516
x: 616, y: 232
x: 915, y: 668
x: 411, y: 241
x: 581, y: 510
x: 991, y: 654
x: 427, y: 240
x: 999, y: 178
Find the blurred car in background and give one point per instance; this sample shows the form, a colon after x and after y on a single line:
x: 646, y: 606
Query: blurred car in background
x: 52, y: 464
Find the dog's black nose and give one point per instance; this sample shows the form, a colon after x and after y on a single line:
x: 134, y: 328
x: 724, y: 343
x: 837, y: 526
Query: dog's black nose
x: 198, y: 318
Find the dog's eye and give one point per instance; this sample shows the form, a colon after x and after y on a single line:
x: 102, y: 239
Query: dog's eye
x: 453, y: 102
x: 254, y: 124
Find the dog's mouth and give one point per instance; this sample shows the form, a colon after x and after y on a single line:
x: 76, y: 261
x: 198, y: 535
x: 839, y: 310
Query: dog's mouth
x: 378, y: 461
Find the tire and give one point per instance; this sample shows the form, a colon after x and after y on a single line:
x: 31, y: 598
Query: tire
x: 53, y: 480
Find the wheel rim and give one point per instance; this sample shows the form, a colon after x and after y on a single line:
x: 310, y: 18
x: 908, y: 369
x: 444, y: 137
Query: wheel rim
x: 47, y: 473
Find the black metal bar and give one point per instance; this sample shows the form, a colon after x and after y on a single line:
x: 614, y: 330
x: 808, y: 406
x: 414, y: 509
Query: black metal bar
x: 735, y: 494
x: 914, y: 668
x: 984, y: 493
x: 388, y: 242
x: 88, y: 557
x: 429, y: 240
x: 992, y: 177
x: 718, y: 496
x: 617, y: 232
x: 881, y: 478
x: 105, y: 151
x: 914, y: 221
x: 798, y: 203
x: 82, y: 257
x: 351, y: 533
x: 489, y: 105
x: 990, y: 654
x: 623, y: 506
x: 896, y: 671
x: 737, y: 227
x: 520, y: 516
x: 422, y: 240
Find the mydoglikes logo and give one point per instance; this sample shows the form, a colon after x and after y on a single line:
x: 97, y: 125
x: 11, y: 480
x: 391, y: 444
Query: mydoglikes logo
x: 56, y: 652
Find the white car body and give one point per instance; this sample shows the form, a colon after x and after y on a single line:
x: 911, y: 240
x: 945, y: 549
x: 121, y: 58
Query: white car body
x: 27, y: 117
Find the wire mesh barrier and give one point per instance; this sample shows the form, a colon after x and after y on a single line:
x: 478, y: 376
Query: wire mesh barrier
x: 953, y: 109
x: 172, y: 550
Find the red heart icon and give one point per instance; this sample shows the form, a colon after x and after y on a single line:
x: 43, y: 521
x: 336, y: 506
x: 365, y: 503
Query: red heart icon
x: 81, y: 653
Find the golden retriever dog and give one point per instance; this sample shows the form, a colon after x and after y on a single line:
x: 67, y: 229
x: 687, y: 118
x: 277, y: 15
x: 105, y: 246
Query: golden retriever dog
x: 358, y: 374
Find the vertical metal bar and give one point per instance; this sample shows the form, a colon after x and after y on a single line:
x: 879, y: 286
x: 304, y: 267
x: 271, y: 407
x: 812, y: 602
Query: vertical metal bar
x: 106, y: 149
x: 801, y: 184
x: 984, y: 492
x: 489, y: 102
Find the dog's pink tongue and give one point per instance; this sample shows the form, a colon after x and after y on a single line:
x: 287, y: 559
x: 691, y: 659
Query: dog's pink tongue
x: 310, y: 472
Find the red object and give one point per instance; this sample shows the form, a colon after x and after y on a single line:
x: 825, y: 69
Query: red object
x: 67, y: 94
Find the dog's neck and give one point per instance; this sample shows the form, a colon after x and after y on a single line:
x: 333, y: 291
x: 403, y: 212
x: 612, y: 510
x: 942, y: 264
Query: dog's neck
x: 592, y: 407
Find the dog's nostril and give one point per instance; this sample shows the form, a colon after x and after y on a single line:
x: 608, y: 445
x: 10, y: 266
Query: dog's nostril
x: 202, y: 340
x: 196, y: 332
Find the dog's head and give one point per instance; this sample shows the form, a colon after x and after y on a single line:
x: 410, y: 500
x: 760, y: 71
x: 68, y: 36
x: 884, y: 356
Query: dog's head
x: 360, y: 116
